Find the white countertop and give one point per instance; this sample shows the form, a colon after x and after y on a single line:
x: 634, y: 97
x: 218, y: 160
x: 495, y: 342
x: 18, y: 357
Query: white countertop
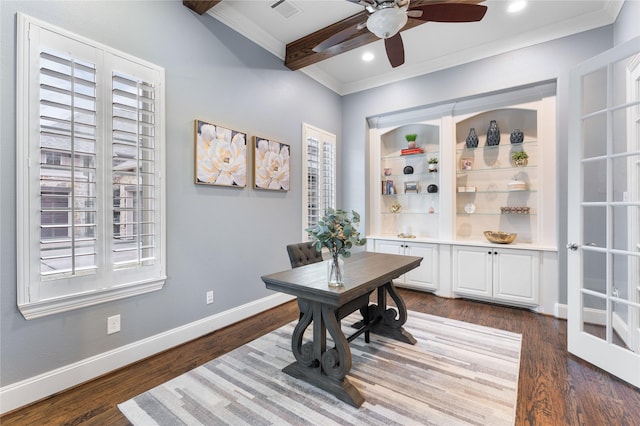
x: 476, y: 243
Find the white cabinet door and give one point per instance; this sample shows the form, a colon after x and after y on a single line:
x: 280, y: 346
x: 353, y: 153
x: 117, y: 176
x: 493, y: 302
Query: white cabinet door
x: 472, y: 271
x: 389, y: 247
x: 505, y: 275
x: 515, y: 275
x: 426, y: 275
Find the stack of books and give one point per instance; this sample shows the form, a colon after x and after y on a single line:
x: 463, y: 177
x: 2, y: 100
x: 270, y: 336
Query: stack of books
x: 409, y: 151
x: 387, y: 187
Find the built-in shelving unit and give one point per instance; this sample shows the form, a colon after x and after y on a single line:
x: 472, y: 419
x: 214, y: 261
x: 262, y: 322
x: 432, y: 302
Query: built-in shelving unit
x: 490, y: 169
x: 404, y: 204
x: 480, y: 188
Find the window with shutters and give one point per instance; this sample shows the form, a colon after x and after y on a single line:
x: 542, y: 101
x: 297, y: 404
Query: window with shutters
x: 90, y: 162
x: 318, y: 175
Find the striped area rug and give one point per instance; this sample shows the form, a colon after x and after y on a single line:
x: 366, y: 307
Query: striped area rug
x: 457, y: 374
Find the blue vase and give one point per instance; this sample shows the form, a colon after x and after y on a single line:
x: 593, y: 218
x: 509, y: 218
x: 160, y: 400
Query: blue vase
x: 517, y: 136
x: 472, y: 139
x: 493, y: 134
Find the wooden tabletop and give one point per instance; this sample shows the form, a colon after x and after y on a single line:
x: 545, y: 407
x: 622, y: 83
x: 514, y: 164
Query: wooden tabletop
x: 364, y: 272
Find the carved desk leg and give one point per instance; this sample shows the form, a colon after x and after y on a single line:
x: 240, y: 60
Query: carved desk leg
x: 326, y: 369
x: 389, y: 322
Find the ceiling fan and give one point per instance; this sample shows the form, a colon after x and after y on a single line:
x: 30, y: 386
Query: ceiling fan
x: 388, y: 17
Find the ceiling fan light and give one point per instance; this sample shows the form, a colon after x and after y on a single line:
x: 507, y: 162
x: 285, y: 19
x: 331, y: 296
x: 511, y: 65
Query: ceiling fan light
x: 368, y: 56
x: 516, y: 6
x: 386, y: 23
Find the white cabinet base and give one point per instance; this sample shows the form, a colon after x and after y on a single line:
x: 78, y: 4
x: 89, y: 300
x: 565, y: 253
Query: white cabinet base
x: 497, y: 274
x: 424, y: 277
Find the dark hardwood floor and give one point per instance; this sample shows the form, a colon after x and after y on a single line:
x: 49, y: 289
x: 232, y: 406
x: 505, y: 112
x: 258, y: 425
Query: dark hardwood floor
x: 555, y: 388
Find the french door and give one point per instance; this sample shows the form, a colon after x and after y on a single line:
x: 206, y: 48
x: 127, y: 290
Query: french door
x: 604, y: 212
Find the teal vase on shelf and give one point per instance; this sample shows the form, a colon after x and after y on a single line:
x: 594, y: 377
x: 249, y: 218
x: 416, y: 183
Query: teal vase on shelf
x: 493, y: 134
x: 517, y: 136
x: 472, y: 139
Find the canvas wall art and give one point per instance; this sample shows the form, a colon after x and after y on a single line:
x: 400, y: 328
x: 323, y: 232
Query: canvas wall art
x: 221, y: 155
x: 271, y: 164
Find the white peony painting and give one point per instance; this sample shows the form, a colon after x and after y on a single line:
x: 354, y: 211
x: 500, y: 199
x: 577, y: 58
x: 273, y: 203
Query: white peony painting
x: 221, y: 156
x: 271, y: 160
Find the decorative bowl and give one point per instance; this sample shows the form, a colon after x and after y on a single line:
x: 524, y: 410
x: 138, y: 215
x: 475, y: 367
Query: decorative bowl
x: 499, y: 237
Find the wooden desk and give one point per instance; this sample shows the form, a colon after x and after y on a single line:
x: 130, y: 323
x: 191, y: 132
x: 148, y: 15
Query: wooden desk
x: 324, y: 306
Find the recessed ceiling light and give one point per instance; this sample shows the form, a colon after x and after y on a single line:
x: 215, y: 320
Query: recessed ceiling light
x: 516, y: 6
x: 368, y: 56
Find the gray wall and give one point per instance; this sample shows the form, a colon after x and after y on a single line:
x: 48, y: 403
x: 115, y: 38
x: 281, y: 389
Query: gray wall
x: 219, y: 239
x: 627, y: 25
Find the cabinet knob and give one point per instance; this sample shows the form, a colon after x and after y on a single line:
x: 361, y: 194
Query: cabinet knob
x: 495, y: 252
x: 489, y: 252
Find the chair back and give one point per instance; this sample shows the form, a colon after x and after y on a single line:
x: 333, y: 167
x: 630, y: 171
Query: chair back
x: 303, y: 254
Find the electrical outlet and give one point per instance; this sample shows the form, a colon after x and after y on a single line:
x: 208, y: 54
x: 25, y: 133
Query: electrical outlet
x: 113, y: 324
x: 209, y: 297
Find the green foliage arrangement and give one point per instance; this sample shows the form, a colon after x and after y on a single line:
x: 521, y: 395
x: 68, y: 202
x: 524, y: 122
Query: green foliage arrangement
x: 519, y: 155
x: 433, y: 160
x: 411, y: 137
x: 337, y: 232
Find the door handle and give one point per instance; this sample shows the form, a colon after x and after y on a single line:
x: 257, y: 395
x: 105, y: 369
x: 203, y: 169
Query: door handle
x: 572, y: 246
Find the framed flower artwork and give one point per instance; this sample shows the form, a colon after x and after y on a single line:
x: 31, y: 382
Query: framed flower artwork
x: 221, y: 155
x: 271, y: 165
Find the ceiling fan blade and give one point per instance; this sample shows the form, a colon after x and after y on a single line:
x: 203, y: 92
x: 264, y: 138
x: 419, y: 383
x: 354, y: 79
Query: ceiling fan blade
x: 337, y: 38
x: 395, y: 50
x: 449, y: 12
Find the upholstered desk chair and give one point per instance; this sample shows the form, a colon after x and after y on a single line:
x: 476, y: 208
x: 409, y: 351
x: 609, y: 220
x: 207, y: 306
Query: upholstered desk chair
x: 305, y: 254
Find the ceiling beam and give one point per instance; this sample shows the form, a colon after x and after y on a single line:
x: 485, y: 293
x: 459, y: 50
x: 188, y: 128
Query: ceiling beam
x: 200, y: 6
x: 300, y: 54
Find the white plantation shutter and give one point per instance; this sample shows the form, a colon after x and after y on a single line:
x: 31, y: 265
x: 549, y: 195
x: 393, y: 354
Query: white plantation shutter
x: 319, y: 175
x: 67, y: 153
x: 328, y: 167
x: 90, y: 161
x: 313, y: 181
x: 133, y: 171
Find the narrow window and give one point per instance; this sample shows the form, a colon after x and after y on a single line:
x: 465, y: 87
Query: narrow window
x: 319, y: 175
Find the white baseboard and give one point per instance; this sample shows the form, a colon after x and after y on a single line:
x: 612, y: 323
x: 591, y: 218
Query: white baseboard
x: 38, y: 387
x: 560, y: 311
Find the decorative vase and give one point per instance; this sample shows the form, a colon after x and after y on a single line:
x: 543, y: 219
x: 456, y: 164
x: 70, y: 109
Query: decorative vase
x: 411, y: 140
x: 520, y: 162
x: 493, y: 134
x: 433, y: 168
x: 472, y: 139
x: 517, y: 136
x: 335, y: 271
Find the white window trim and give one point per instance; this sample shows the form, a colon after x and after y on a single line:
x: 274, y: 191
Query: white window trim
x: 27, y: 260
x: 309, y: 131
